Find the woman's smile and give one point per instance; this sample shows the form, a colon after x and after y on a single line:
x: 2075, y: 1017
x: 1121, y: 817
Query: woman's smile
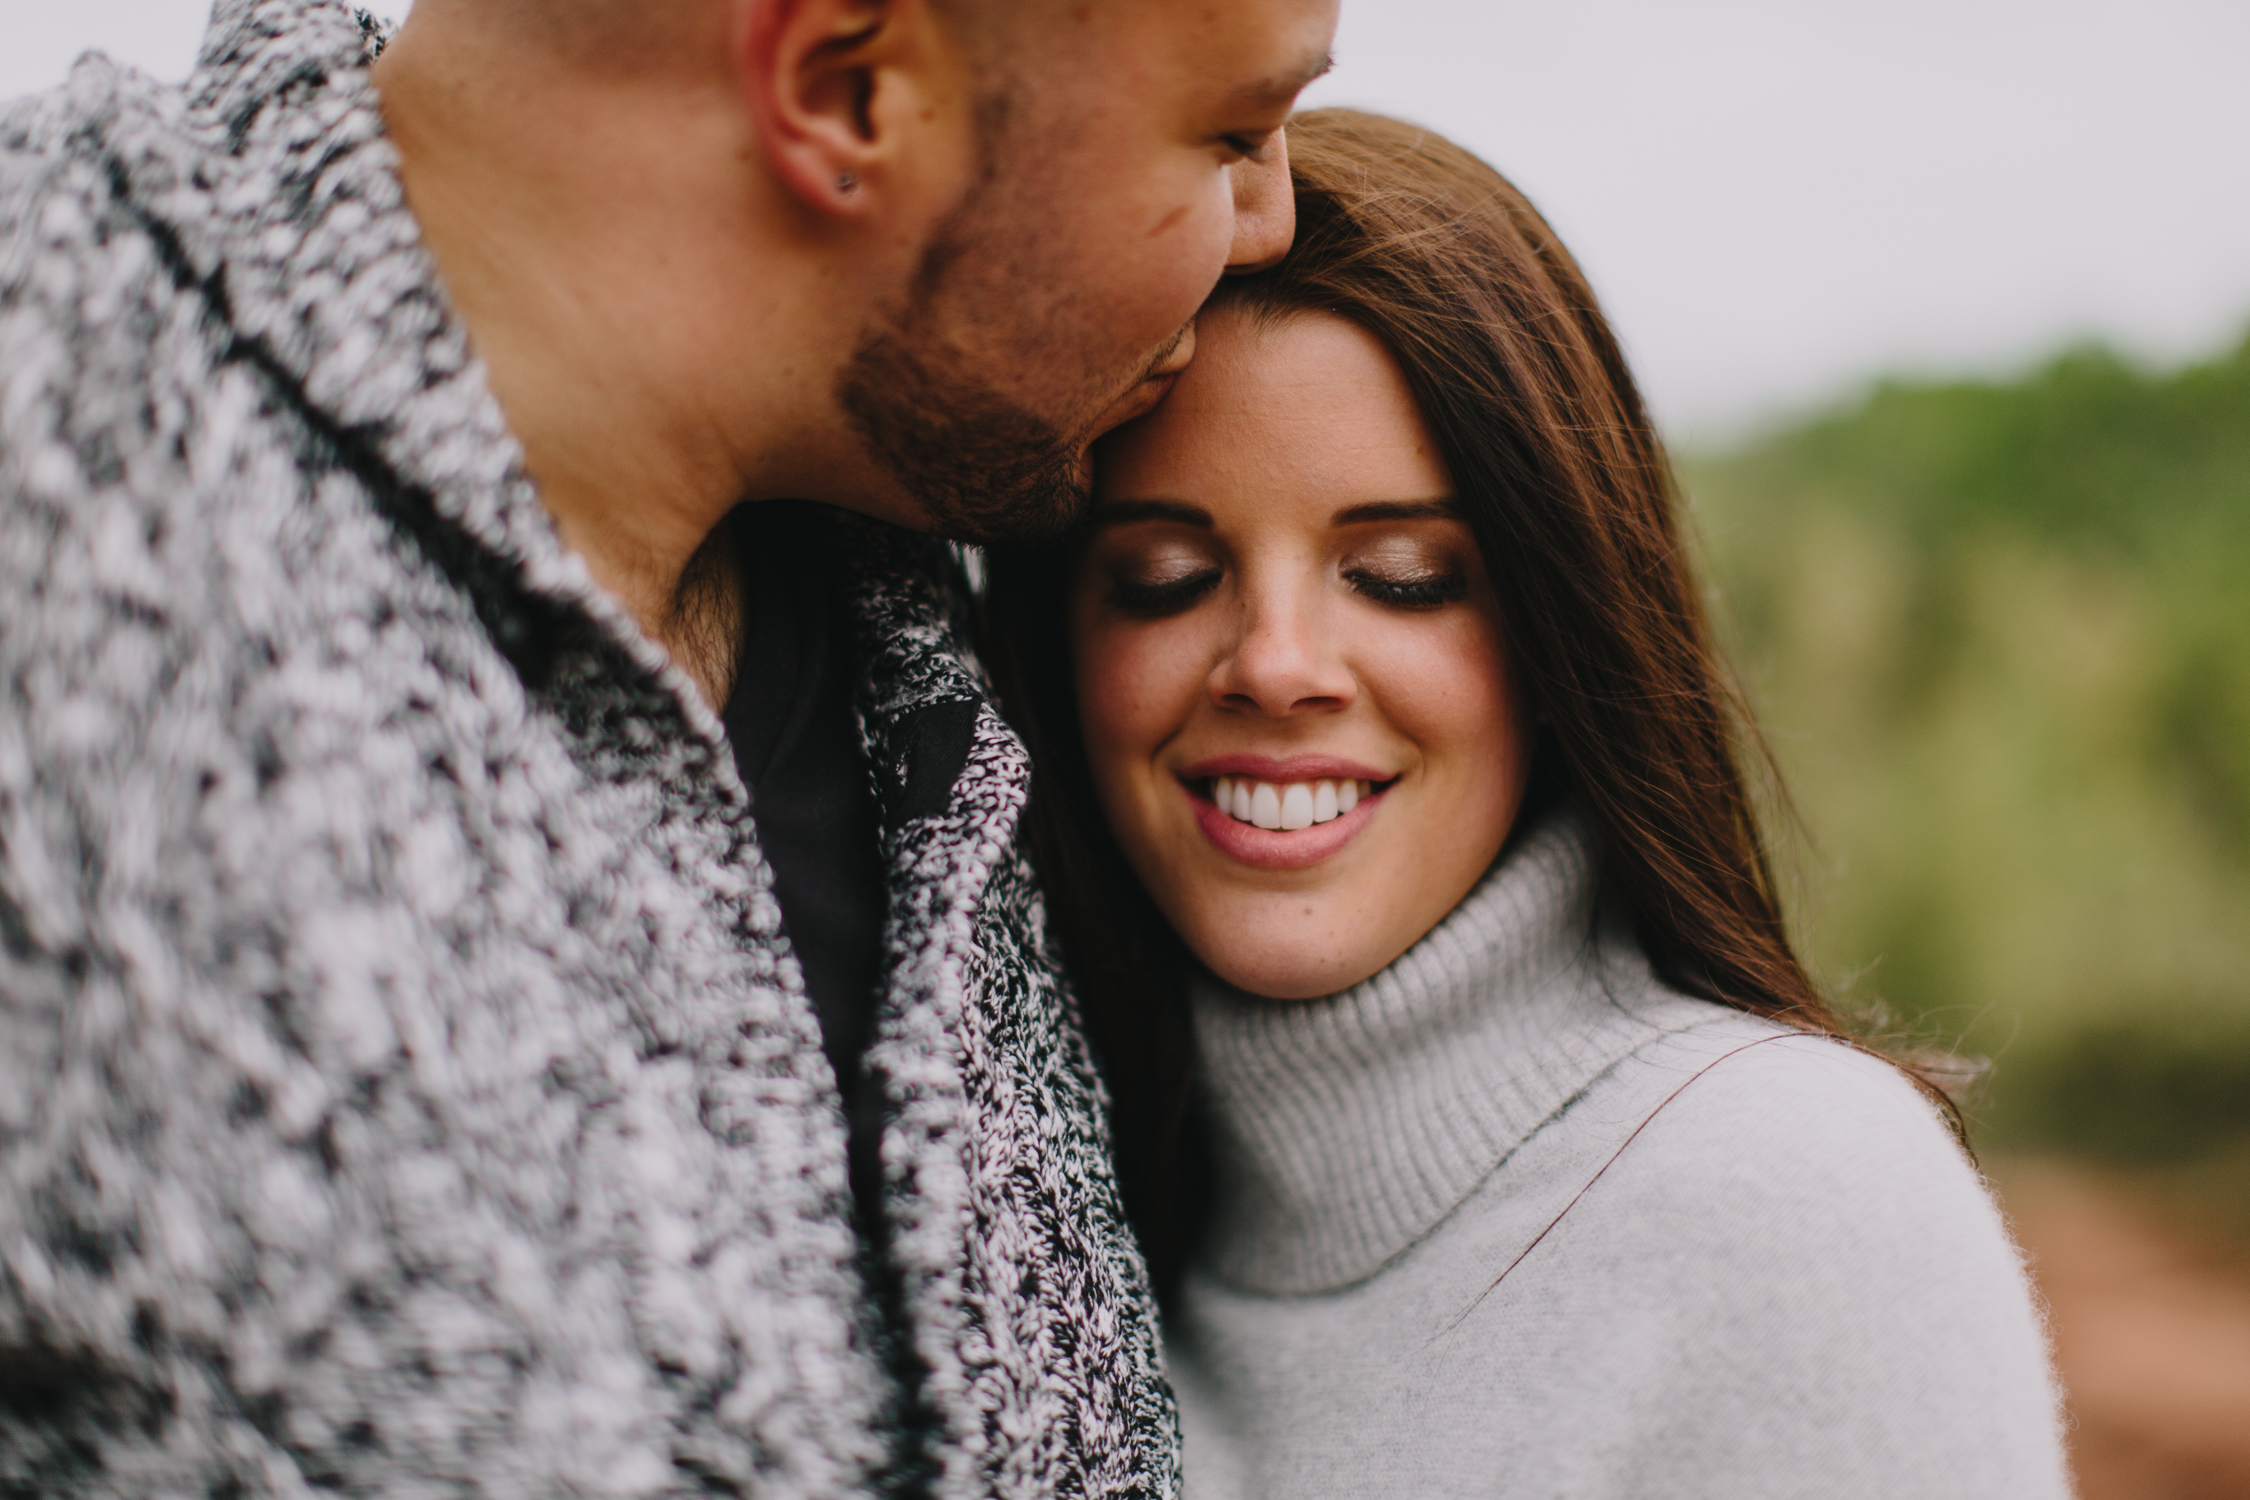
x: 1294, y: 693
x: 1282, y: 814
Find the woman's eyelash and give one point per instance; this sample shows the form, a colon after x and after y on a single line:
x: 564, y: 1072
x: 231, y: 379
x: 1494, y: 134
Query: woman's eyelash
x: 1162, y: 596
x: 1420, y: 591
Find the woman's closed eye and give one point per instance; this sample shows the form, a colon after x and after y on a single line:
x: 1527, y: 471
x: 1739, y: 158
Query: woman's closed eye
x: 1162, y: 586
x: 1419, y: 568
x: 1409, y: 588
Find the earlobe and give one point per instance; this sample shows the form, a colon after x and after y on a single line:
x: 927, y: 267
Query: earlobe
x: 808, y: 71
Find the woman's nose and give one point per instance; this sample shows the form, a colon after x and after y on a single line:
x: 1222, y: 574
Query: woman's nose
x: 1283, y: 664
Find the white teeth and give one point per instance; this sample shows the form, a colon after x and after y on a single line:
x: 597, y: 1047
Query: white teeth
x: 1300, y: 804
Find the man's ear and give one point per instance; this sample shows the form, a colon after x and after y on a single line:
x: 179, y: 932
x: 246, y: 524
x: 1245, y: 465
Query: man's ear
x: 833, y: 88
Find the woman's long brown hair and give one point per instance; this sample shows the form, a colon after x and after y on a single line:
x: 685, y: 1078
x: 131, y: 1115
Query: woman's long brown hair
x: 1570, y: 496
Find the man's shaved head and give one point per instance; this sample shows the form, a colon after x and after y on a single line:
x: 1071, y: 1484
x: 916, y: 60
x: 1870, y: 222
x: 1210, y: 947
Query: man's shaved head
x: 993, y: 31
x: 905, y: 256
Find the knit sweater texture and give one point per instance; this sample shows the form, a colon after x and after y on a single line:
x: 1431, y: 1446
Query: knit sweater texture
x: 1783, y: 1277
x: 405, y: 1086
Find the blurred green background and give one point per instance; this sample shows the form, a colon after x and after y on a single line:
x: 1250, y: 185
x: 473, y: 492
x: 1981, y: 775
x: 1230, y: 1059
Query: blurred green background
x: 1999, y: 636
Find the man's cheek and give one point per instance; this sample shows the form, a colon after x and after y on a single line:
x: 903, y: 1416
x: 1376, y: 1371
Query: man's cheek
x: 1147, y: 284
x: 1191, y: 261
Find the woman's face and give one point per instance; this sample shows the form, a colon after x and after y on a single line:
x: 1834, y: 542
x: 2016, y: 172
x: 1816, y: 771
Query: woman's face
x: 1290, y: 671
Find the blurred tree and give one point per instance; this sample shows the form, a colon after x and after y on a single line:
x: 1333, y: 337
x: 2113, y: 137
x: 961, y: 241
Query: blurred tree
x: 2000, y: 636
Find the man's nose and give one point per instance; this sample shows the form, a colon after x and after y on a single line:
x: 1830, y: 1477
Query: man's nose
x: 1283, y: 666
x: 1265, y: 210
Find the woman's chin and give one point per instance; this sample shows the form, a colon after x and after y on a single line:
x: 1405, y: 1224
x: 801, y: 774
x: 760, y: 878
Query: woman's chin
x: 1287, y: 971
x: 1300, y: 917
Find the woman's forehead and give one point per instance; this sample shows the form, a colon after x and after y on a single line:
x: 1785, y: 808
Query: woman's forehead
x: 1311, y: 406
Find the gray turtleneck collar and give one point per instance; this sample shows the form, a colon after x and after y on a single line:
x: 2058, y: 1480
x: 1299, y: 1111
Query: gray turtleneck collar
x: 1344, y: 1129
x: 1795, y: 1286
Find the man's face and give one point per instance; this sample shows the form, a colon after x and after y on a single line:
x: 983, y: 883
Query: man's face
x: 1131, y: 155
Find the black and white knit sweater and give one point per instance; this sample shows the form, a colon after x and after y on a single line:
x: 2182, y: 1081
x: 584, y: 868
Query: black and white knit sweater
x: 404, y: 1086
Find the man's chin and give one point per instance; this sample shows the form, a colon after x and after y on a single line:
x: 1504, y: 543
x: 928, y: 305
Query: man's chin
x: 1023, y: 514
x: 1031, y: 499
x: 979, y: 465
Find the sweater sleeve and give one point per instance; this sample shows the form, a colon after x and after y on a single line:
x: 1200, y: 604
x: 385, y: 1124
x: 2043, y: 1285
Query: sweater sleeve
x: 1793, y: 1282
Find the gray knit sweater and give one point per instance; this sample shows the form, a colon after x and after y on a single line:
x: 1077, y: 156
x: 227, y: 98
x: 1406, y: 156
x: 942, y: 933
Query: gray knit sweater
x: 1790, y: 1283
x: 405, y: 1088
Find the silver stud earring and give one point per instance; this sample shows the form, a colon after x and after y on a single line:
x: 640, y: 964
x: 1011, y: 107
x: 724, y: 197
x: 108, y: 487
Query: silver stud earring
x: 846, y: 182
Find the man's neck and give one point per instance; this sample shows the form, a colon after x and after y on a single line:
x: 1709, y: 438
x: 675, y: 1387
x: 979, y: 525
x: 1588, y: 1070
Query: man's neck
x: 598, y: 235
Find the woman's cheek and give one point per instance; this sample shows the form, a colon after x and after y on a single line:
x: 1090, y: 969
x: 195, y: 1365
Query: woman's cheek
x: 1102, y: 700
x: 1480, y: 732
x: 1125, y: 719
x: 1121, y: 699
x: 1446, y: 687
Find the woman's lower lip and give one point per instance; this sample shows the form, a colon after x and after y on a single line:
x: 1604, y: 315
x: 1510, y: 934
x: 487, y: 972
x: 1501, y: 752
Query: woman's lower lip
x: 1277, y: 849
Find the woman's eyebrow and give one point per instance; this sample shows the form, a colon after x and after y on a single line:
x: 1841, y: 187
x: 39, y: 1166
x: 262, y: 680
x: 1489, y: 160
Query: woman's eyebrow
x: 1122, y: 512
x: 1398, y: 510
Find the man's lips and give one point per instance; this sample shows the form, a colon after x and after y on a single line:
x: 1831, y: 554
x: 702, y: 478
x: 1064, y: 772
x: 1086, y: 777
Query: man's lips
x: 1149, y: 391
x: 1146, y: 397
x: 1138, y: 402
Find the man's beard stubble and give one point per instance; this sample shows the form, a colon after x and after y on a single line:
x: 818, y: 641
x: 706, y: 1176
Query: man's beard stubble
x: 983, y: 468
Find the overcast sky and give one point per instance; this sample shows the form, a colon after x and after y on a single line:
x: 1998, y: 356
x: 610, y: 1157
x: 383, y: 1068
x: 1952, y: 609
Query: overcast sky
x: 1777, y: 198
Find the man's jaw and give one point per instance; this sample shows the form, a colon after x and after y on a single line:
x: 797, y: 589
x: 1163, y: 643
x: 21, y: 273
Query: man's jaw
x: 909, y: 415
